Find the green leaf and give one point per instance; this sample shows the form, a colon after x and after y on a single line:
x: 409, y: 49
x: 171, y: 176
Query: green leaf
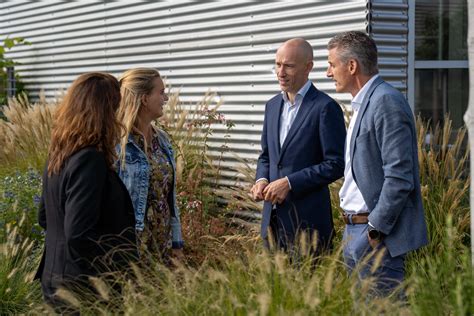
x: 9, y: 43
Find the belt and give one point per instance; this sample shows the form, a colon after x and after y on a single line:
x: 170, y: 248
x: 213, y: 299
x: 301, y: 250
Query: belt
x: 352, y: 219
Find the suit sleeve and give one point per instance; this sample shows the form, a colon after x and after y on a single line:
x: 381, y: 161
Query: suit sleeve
x: 332, y: 135
x: 84, y: 186
x: 263, y: 160
x: 394, y: 134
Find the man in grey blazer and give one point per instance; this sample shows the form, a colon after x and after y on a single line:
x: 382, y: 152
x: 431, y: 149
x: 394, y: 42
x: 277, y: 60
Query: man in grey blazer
x: 381, y: 196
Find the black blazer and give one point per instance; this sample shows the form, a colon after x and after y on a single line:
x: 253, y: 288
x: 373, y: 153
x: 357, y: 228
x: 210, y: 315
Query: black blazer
x: 89, y: 221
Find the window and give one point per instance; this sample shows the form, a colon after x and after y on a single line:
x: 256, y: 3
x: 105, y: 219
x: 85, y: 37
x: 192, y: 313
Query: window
x: 441, y: 66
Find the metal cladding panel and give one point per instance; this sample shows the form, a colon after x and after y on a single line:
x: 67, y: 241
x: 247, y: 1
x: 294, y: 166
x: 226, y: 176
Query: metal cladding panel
x: 226, y: 47
x: 388, y: 26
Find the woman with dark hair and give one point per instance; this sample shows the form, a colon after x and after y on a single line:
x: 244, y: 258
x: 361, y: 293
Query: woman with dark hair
x: 85, y: 208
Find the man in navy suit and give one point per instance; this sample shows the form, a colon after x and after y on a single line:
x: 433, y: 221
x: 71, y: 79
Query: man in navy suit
x: 302, y: 153
x: 381, y: 196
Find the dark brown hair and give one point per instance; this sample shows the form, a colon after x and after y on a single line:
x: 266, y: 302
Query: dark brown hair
x: 86, y: 117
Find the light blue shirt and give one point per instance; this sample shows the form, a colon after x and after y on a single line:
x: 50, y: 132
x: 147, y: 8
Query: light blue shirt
x: 288, y: 115
x: 289, y: 111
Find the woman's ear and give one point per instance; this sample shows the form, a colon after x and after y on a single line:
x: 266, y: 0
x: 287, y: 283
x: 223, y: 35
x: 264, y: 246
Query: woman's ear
x: 144, y: 100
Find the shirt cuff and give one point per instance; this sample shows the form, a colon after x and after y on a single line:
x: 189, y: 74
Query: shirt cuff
x: 371, y: 225
x: 262, y: 179
x: 289, y: 183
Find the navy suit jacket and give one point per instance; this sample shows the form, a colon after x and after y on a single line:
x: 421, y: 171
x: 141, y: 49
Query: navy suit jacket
x: 384, y: 159
x: 312, y: 157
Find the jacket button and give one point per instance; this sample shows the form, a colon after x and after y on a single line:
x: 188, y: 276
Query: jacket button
x: 279, y: 167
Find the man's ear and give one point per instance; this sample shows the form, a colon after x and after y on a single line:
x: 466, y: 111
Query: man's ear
x: 353, y: 66
x: 309, y: 66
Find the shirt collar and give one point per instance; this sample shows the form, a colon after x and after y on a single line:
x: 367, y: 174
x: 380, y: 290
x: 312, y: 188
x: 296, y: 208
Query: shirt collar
x: 357, y: 100
x: 302, y: 92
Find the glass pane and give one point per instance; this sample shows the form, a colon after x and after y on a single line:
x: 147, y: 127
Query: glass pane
x: 440, y: 91
x: 441, y: 29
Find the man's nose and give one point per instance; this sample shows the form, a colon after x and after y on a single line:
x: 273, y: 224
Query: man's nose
x: 281, y: 72
x: 328, y: 72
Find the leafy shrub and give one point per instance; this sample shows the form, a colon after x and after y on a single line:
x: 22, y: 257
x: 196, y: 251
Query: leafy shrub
x: 9, y: 43
x: 20, y: 196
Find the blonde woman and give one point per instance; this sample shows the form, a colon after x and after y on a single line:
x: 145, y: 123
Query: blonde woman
x: 146, y: 163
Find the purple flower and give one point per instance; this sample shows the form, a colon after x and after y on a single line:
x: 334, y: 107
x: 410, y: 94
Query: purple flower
x: 36, y: 199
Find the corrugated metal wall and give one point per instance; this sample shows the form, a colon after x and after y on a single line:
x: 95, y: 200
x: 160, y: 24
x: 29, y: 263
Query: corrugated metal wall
x: 227, y: 47
x: 388, y: 25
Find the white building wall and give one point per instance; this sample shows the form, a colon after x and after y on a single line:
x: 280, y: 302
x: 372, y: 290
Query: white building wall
x: 227, y: 47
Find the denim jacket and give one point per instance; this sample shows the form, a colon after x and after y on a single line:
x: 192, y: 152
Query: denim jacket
x: 136, y: 175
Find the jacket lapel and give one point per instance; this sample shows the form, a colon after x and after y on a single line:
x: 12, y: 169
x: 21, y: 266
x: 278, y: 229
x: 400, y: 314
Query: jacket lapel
x: 362, y: 110
x: 274, y: 122
x: 303, y: 111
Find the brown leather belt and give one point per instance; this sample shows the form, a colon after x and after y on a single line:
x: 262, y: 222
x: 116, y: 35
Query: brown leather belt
x: 352, y: 219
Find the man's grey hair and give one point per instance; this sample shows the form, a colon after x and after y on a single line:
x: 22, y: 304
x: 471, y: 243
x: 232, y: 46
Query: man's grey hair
x: 359, y: 46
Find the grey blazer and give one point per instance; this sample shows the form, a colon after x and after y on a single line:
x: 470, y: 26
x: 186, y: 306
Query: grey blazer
x: 384, y: 159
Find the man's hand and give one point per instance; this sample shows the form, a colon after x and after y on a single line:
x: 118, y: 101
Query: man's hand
x: 276, y: 191
x: 257, y: 190
x: 373, y: 242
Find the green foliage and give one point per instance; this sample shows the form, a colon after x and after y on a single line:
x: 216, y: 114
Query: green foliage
x: 20, y: 196
x: 9, y: 43
x: 231, y: 274
x: 443, y: 284
x: 445, y: 183
x: 18, y: 264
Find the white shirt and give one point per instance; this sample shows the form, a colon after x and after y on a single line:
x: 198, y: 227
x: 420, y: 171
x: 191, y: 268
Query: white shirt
x: 350, y: 197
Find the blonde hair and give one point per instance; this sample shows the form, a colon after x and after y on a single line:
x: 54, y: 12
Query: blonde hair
x: 86, y: 117
x: 134, y: 84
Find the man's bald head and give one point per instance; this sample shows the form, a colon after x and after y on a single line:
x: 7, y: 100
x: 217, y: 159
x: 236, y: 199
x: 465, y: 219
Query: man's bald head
x: 301, y: 46
x: 293, y: 63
